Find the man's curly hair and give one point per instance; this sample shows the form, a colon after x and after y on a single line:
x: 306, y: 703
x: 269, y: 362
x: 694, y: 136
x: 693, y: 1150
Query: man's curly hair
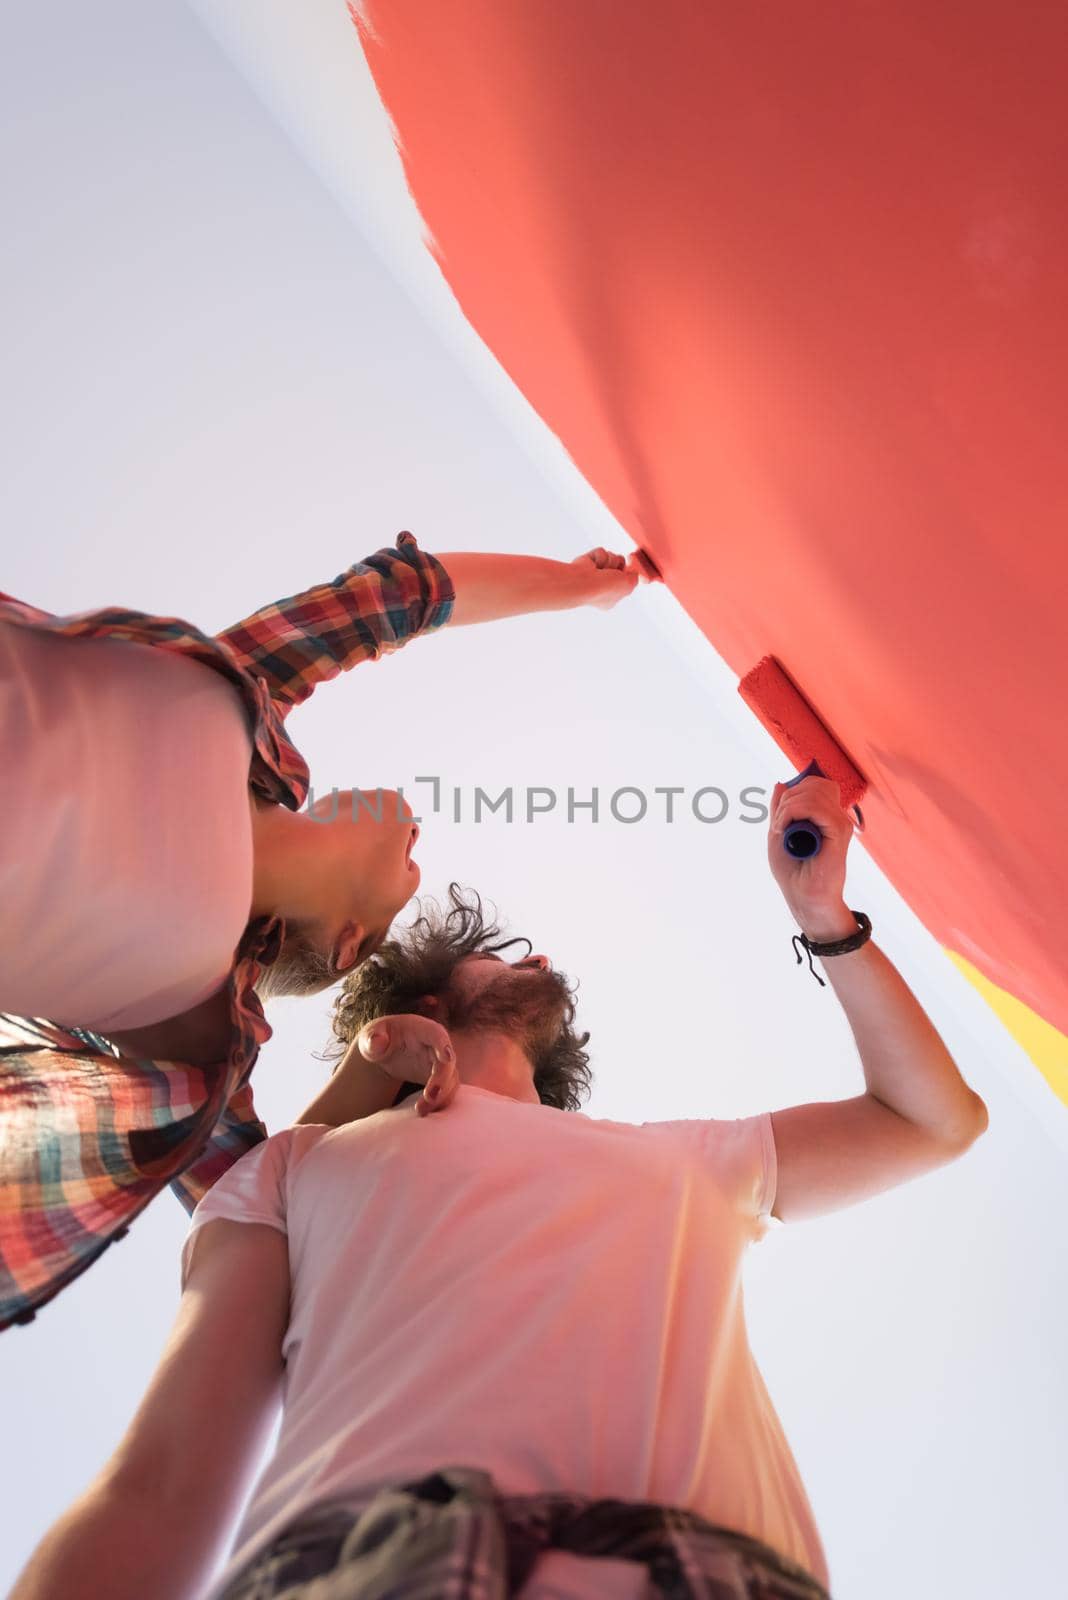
x: 420, y: 963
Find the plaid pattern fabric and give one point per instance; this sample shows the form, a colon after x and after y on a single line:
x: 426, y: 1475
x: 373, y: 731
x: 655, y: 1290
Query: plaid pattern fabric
x: 451, y: 1537
x: 88, y: 1137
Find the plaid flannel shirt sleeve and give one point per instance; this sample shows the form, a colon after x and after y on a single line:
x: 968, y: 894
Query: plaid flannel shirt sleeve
x: 373, y: 608
x: 237, y: 1131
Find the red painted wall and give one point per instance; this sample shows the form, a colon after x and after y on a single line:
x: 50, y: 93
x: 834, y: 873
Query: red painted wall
x: 790, y: 282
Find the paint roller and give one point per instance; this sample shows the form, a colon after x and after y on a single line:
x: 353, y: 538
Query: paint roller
x: 770, y: 692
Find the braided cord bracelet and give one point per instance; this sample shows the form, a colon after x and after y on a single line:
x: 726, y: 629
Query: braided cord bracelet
x: 834, y: 947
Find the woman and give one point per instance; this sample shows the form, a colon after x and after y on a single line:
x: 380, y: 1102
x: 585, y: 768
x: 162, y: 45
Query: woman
x: 155, y: 871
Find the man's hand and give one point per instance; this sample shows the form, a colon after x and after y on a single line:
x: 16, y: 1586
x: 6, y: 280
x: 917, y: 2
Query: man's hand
x: 813, y: 888
x: 413, y: 1049
x: 608, y: 578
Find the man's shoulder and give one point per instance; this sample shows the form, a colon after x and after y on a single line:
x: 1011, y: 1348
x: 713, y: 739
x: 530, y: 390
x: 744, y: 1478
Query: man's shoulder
x: 294, y: 1142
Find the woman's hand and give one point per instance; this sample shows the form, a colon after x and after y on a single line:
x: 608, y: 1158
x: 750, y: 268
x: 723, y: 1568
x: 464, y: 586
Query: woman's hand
x: 813, y: 887
x: 413, y: 1049
x: 607, y: 578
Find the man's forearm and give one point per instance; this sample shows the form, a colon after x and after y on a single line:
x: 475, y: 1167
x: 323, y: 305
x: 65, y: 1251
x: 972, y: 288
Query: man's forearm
x: 120, y: 1541
x: 906, y: 1065
x: 492, y: 586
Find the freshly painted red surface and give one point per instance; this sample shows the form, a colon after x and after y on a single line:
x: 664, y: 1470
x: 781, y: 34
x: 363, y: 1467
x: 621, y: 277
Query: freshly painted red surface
x: 790, y: 282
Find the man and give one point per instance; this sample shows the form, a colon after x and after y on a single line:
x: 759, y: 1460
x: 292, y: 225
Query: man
x: 511, y: 1337
x: 157, y: 871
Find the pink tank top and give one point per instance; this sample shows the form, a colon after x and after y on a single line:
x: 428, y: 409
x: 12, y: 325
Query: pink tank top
x: 125, y: 832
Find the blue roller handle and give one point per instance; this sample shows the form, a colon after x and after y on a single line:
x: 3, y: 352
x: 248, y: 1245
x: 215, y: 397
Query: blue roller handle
x: 802, y: 839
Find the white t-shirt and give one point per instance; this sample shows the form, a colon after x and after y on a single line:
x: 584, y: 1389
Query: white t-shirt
x: 554, y: 1299
x: 125, y: 831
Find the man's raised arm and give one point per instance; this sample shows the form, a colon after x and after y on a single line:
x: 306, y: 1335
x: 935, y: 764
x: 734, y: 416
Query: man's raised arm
x: 917, y: 1113
x: 154, y: 1521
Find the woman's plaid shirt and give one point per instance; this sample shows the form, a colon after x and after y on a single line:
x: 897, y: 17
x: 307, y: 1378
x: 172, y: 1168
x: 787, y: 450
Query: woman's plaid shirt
x: 89, y: 1137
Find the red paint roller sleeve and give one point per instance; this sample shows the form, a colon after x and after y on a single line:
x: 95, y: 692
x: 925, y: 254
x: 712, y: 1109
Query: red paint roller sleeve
x: 772, y: 695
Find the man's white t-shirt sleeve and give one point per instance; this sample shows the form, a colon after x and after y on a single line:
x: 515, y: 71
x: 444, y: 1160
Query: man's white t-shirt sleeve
x: 741, y: 1155
x: 254, y: 1189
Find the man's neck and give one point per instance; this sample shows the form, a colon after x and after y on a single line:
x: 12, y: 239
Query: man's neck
x: 494, y: 1061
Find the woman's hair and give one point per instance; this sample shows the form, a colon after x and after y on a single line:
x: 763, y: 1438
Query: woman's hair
x: 420, y: 963
x: 300, y: 968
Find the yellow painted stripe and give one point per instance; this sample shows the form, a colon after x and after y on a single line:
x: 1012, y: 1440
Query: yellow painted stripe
x: 1047, y: 1048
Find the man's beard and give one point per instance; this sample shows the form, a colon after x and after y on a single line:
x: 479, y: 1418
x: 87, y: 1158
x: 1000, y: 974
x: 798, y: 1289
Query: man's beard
x: 529, y: 1005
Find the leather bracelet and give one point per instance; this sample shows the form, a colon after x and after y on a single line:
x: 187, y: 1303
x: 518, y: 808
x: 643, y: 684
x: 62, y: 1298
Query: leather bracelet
x: 833, y: 947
